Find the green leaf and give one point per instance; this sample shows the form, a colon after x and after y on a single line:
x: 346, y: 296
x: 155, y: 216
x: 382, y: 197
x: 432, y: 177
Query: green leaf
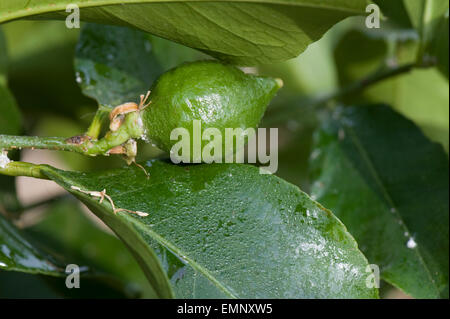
x: 261, y: 31
x: 430, y: 19
x: 313, y: 71
x: 19, y: 253
x: 389, y: 185
x: 66, y: 228
x: 395, y: 11
x: 354, y: 64
x: 115, y: 65
x: 425, y: 16
x: 421, y: 95
x: 16, y: 253
x: 227, y: 231
x: 428, y: 16
x: 144, y: 255
x: 49, y: 287
x: 12, y: 284
x: 440, y: 47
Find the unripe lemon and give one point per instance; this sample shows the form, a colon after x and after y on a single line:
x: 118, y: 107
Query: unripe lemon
x: 219, y: 96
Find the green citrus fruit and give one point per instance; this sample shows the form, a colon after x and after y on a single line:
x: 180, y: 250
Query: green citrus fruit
x: 219, y: 96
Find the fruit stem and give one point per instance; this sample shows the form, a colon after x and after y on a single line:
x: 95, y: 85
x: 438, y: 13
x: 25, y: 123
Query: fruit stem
x: 22, y: 169
x: 51, y: 143
x: 130, y: 128
x: 98, y: 122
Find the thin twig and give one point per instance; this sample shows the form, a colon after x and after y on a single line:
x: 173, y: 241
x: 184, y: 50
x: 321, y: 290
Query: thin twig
x: 385, y: 72
x: 359, y: 86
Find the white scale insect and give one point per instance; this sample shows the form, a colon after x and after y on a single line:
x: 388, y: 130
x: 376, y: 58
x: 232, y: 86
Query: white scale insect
x: 102, y: 195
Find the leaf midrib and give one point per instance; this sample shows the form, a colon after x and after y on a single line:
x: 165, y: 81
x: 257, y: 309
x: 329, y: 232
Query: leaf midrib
x: 184, y: 256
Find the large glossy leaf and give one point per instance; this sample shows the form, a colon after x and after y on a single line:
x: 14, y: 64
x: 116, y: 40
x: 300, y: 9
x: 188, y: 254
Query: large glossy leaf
x: 260, y: 31
x: 144, y: 255
x: 117, y: 64
x: 227, y: 231
x: 389, y: 185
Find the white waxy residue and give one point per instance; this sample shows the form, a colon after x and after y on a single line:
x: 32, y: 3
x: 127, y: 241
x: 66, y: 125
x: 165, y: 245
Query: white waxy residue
x: 411, y: 243
x: 78, y: 78
x: 4, y: 160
